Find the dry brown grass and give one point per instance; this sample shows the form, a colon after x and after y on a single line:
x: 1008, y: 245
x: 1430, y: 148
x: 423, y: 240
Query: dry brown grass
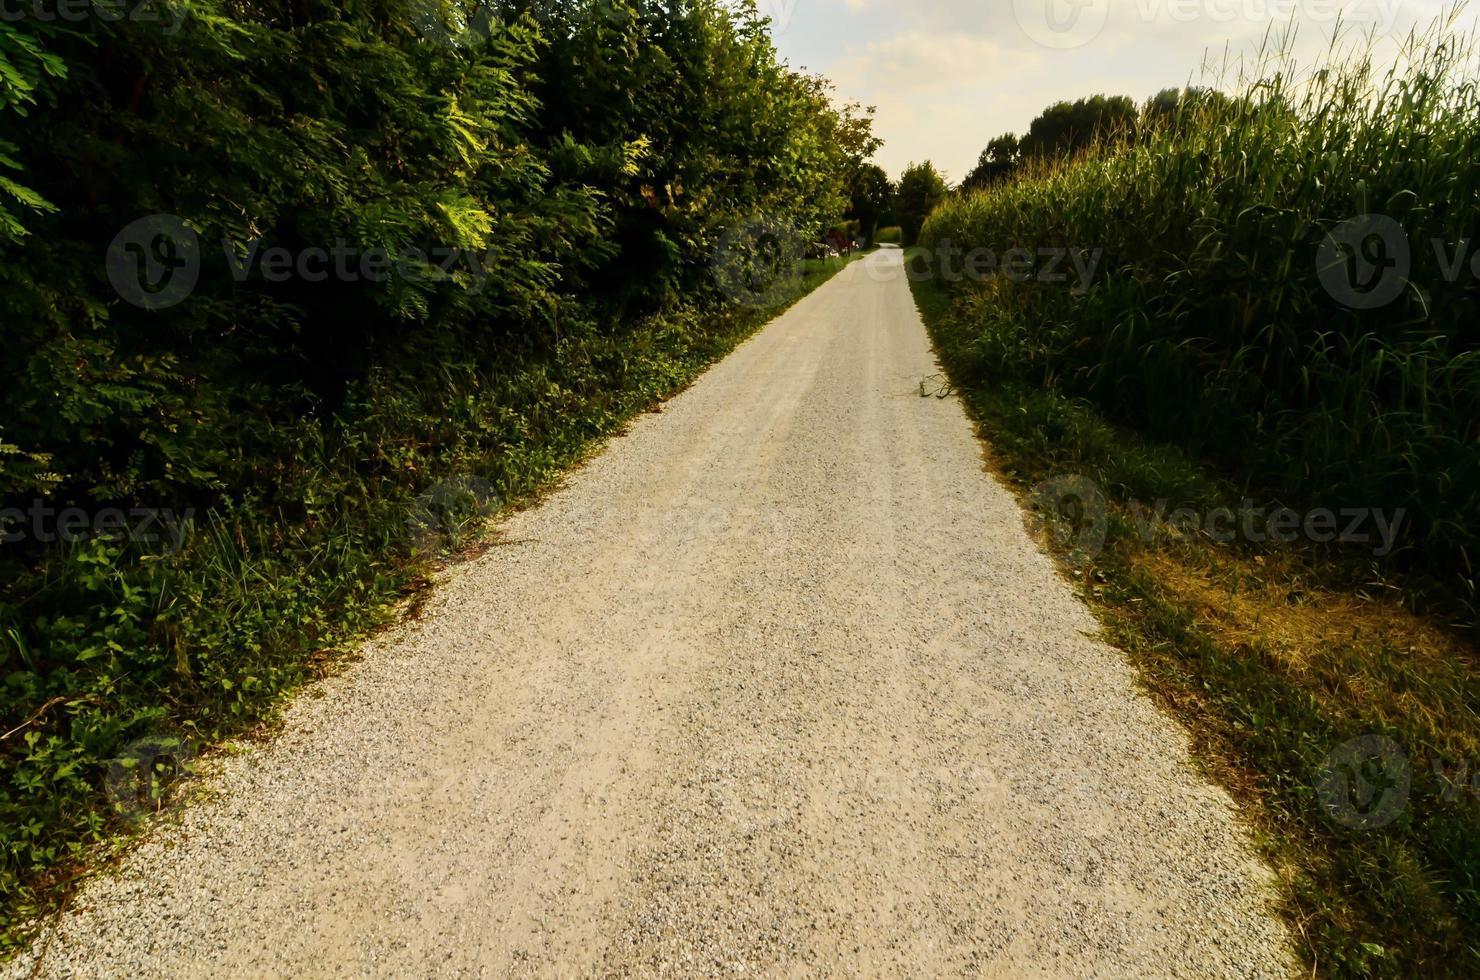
x: 1273, y: 603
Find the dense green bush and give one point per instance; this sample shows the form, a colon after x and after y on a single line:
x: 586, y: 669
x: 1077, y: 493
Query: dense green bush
x: 872, y: 199
x: 1223, y: 316
x: 527, y: 198
x: 920, y: 191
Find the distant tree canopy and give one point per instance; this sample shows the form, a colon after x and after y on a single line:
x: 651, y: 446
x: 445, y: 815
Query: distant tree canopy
x: 1172, y: 104
x: 1066, y: 128
x: 1164, y: 103
x: 872, y: 203
x: 998, y: 162
x: 921, y: 189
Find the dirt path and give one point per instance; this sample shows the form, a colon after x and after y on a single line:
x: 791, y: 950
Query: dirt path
x: 778, y: 684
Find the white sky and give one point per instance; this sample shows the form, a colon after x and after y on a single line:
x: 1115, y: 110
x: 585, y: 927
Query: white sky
x: 948, y: 75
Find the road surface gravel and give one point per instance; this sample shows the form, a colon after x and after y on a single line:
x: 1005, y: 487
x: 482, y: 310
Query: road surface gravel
x: 778, y: 684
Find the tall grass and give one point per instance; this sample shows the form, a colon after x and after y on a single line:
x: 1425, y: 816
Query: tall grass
x: 1209, y: 325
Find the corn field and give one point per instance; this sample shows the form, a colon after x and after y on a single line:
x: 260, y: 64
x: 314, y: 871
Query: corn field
x: 1286, y: 286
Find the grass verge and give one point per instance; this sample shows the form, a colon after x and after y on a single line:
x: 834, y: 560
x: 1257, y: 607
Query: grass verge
x: 1343, y: 724
x: 255, y: 604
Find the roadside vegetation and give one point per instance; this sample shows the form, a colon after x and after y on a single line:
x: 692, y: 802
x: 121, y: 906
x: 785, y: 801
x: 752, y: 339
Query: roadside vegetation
x: 1229, y: 359
x: 500, y: 223
x: 921, y: 190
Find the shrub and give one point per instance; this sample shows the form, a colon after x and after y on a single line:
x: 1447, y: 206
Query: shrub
x: 921, y: 190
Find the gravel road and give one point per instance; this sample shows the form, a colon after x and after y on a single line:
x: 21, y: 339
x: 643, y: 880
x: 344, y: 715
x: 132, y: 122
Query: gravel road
x: 777, y: 684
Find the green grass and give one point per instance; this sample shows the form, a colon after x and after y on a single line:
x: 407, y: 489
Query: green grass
x: 257, y: 604
x: 1273, y: 657
x: 815, y: 272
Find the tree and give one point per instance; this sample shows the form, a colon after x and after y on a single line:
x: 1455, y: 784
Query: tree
x: 872, y: 195
x: 1065, y: 128
x: 1163, y: 104
x: 30, y: 74
x: 921, y: 189
x: 694, y: 125
x: 854, y: 134
x: 1173, y: 106
x: 998, y: 162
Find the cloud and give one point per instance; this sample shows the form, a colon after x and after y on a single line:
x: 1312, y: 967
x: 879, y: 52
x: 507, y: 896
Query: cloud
x: 936, y: 93
x: 948, y: 75
x: 932, y: 62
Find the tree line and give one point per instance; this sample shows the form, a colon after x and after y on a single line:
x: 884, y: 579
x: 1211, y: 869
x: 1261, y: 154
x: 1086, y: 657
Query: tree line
x: 1066, y: 129
x: 1060, y: 132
